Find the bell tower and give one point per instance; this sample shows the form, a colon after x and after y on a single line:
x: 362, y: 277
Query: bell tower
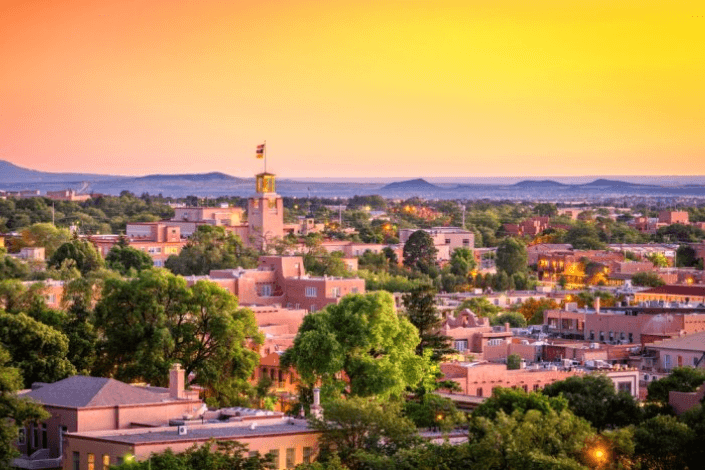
x: 265, y: 212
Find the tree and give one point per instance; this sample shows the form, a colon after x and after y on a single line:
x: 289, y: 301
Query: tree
x: 513, y: 362
x: 533, y: 309
x: 515, y: 320
x: 686, y: 256
x: 658, y: 259
x: 528, y: 440
x: 15, y: 412
x: 123, y: 258
x: 664, y: 442
x: 212, y: 455
x: 584, y: 236
x: 462, y: 262
x: 363, y: 337
x: 363, y: 424
x: 511, y: 256
x: 480, y: 306
x: 45, y: 235
x: 593, y: 398
x: 151, y: 321
x: 647, y: 279
x: 420, y: 306
x: 37, y: 350
x: 420, y: 252
x: 508, y: 400
x: 209, y: 248
x: 81, y: 252
x: 681, y: 379
x: 11, y: 268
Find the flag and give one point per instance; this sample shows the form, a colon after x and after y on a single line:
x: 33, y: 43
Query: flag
x: 260, y: 151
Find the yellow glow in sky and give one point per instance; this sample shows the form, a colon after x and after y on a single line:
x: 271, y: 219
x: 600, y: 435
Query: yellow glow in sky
x: 364, y: 88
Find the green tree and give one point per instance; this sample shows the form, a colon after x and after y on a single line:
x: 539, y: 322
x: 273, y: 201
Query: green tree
x: 511, y: 256
x: 420, y: 252
x: 533, y: 309
x: 515, y: 320
x: 212, y: 455
x: 528, y: 440
x: 149, y: 322
x: 480, y: 306
x: 664, y: 442
x: 354, y: 425
x: 681, y: 379
x: 508, y: 400
x: 211, y: 247
x: 462, y: 262
x: 658, y: 259
x: 15, y: 412
x: 647, y: 279
x: 513, y: 362
x: 593, y: 398
x: 363, y: 337
x: 686, y: 256
x: 81, y: 252
x: 584, y: 236
x: 37, y: 350
x: 123, y: 258
x: 420, y: 307
x: 11, y: 268
x: 45, y: 235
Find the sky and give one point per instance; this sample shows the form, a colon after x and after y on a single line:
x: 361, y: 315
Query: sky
x: 354, y: 88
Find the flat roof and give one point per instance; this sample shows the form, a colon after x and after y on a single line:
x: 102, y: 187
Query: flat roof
x: 236, y: 430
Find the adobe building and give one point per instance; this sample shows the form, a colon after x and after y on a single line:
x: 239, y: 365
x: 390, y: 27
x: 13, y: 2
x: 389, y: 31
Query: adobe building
x: 67, y: 195
x: 686, y: 350
x: 84, y: 404
x: 289, y: 440
x: 479, y: 379
x: 673, y: 217
x: 282, y: 280
x: 474, y: 335
x: 445, y: 239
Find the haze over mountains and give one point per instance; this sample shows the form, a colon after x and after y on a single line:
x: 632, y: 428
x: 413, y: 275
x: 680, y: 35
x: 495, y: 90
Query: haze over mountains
x: 214, y: 184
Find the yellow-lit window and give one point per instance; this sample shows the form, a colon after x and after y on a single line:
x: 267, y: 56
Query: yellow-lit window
x: 106, y: 461
x: 91, y: 461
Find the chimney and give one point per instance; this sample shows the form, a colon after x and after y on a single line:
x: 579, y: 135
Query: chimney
x: 176, y: 381
x: 316, y: 409
x: 506, y: 327
x: 596, y: 304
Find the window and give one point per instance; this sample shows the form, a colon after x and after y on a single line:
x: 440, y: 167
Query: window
x: 253, y: 453
x: 611, y: 336
x: 495, y: 342
x: 22, y: 437
x: 631, y: 338
x: 91, y: 461
x: 461, y: 345
x: 308, y: 453
x: 171, y: 250
x: 624, y: 387
x: 602, y: 336
x: 154, y: 249
x: 76, y: 461
x: 51, y: 298
x: 667, y: 361
x: 120, y: 460
x: 275, y: 457
x: 290, y: 457
x: 622, y: 336
x: 466, y: 242
x: 592, y: 334
x: 335, y: 292
x: 447, y: 241
x: 106, y: 460
x: 266, y: 290
x: 536, y: 387
x: 45, y: 443
x: 478, y: 392
x: 158, y: 263
x: 311, y: 292
x: 312, y: 308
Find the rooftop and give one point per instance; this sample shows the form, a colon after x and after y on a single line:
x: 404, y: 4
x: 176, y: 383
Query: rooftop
x: 691, y: 342
x: 230, y: 430
x: 81, y: 391
x: 676, y: 290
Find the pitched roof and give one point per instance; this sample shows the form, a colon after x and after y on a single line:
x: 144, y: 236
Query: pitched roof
x: 80, y: 391
x: 692, y: 342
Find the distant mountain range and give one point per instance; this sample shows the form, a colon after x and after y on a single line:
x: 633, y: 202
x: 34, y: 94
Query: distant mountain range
x: 215, y: 184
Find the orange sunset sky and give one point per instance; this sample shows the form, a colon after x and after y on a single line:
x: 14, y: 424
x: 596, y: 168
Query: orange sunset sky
x: 354, y: 88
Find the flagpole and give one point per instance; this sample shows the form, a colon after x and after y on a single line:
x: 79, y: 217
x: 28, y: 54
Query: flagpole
x: 265, y: 156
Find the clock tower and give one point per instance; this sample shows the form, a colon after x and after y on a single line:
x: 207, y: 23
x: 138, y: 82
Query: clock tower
x: 265, y: 212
